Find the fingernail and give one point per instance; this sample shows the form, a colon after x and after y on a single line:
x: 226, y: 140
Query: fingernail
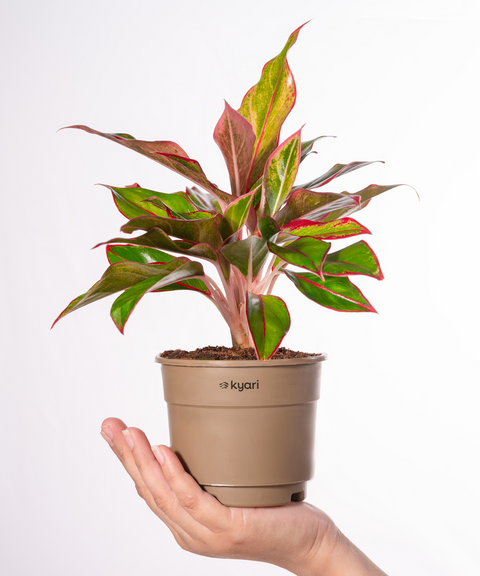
x: 105, y: 437
x: 108, y: 431
x: 128, y: 438
x: 158, y: 454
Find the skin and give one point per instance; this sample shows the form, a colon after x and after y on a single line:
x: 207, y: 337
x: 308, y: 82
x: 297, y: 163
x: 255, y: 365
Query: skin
x: 298, y: 537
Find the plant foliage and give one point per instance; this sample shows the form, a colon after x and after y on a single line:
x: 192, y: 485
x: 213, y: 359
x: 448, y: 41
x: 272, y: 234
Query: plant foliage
x: 253, y: 234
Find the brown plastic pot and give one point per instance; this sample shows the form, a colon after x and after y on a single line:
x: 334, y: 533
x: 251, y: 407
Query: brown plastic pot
x: 245, y: 429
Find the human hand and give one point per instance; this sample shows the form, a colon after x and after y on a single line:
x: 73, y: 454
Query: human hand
x: 298, y: 536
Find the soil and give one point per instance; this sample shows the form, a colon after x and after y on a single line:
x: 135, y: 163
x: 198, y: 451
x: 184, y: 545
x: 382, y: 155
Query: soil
x: 224, y: 353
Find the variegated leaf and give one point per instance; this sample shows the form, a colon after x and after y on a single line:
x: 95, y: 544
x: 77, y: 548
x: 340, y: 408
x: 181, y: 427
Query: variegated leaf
x: 235, y: 138
x: 269, y: 322
x: 267, y: 104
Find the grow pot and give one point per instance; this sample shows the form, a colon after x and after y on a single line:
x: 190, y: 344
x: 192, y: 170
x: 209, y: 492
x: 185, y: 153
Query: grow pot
x: 244, y: 429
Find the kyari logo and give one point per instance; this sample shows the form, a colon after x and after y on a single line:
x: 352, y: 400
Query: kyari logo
x: 240, y: 386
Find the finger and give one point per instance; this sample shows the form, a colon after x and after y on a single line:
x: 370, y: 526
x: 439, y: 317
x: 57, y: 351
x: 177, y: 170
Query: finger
x: 112, y: 431
x: 163, y: 496
x: 202, y: 506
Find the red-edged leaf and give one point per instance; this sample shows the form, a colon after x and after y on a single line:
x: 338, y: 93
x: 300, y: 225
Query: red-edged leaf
x: 203, y: 200
x: 142, y: 254
x: 168, y: 154
x: 314, y: 205
x: 269, y: 321
x: 132, y: 201
x: 122, y: 275
x: 308, y: 253
x: 247, y: 255
x: 157, y: 238
x: 358, y: 258
x: 308, y: 145
x: 335, y: 293
x: 343, y: 228
x: 267, y: 104
x: 236, y: 215
x: 335, y: 172
x: 280, y: 173
x: 364, y: 197
x: 235, y: 138
x: 196, y: 231
x: 124, y: 305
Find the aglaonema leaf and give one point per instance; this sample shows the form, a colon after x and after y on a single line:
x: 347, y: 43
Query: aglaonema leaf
x: 336, y: 293
x: 267, y: 104
x: 342, y: 228
x: 269, y: 322
x: 120, y: 276
x: 176, y: 280
x: 168, y: 154
x: 144, y: 255
x: 247, y: 255
x: 308, y: 253
x: 235, y: 138
x: 157, y: 238
x: 268, y: 227
x: 364, y: 196
x: 197, y: 231
x: 307, y: 204
x: 203, y: 200
x: 280, y: 173
x: 335, y: 172
x: 308, y: 145
x: 132, y: 201
x: 236, y: 215
x: 358, y: 258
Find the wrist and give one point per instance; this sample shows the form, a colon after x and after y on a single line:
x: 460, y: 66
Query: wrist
x: 338, y: 556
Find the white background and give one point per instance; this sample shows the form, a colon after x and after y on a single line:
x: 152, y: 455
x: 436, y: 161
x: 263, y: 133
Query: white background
x: 398, y: 437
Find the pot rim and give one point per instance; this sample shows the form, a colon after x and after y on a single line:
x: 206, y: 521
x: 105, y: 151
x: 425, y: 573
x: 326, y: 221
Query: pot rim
x: 237, y: 363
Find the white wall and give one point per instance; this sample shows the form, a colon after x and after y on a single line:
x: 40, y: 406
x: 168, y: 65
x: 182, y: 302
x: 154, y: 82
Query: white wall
x: 398, y: 435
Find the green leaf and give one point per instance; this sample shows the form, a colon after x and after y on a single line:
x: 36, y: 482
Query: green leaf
x: 157, y: 238
x: 308, y: 145
x: 269, y: 321
x: 280, y: 173
x: 306, y: 252
x: 364, y: 197
x: 267, y: 104
x: 196, y: 231
x: 358, y: 258
x: 131, y: 201
x: 128, y: 300
x: 142, y: 254
x: 314, y: 205
x: 120, y: 276
x: 168, y: 154
x: 268, y: 227
x: 334, y: 172
x: 247, y: 255
x: 343, y: 228
x: 235, y: 138
x: 203, y: 200
x: 192, y: 214
x: 335, y: 293
x: 235, y: 215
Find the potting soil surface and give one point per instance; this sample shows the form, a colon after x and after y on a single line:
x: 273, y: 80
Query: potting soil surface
x: 224, y: 353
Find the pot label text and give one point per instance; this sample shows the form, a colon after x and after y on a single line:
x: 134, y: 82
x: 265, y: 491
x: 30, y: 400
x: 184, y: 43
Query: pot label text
x: 240, y: 386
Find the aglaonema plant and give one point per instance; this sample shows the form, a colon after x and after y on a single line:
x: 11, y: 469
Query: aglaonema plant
x: 266, y: 227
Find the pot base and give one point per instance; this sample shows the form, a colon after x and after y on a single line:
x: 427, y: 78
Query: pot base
x: 253, y: 496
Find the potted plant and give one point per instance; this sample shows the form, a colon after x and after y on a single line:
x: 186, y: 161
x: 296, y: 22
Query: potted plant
x: 243, y: 427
